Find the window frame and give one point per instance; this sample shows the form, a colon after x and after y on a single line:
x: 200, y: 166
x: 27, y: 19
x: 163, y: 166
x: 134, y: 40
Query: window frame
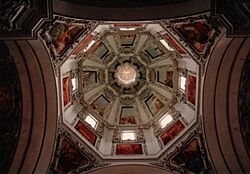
x: 93, y: 119
x: 128, y: 132
x: 180, y: 83
x: 164, y: 125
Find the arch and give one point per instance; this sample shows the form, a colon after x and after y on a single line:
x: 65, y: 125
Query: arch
x: 220, y: 105
x: 39, y: 109
x: 130, y: 169
x: 185, y: 8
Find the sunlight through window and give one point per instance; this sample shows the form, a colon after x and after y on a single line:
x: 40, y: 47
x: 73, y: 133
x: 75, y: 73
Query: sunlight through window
x: 89, y: 46
x: 183, y: 83
x: 128, y: 135
x: 91, y: 121
x: 74, y: 85
x: 166, y: 45
x: 127, y: 29
x: 165, y: 120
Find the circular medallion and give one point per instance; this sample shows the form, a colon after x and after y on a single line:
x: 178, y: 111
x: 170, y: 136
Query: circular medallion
x: 126, y: 74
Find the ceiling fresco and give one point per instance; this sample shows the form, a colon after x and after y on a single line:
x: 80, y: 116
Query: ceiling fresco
x: 130, y: 92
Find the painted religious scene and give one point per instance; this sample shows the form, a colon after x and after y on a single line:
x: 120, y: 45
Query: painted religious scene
x: 165, y: 77
x: 153, y: 50
x: 127, y: 39
x: 99, y: 50
x: 89, y: 78
x: 173, y: 131
x: 66, y: 90
x: 196, y: 34
x: 154, y: 104
x: 191, y: 89
x: 100, y: 104
x: 127, y: 115
x: 85, y: 132
x: 63, y: 35
x: 70, y: 158
x: 128, y: 149
x: 190, y: 157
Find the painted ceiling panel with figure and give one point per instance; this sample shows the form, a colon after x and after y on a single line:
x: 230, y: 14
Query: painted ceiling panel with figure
x: 63, y: 35
x: 127, y: 115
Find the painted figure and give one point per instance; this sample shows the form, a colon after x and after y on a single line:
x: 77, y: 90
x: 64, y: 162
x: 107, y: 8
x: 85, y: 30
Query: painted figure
x: 197, y: 34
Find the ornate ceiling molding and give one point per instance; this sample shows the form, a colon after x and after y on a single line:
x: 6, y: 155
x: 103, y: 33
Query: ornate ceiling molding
x: 235, y: 15
x: 20, y: 19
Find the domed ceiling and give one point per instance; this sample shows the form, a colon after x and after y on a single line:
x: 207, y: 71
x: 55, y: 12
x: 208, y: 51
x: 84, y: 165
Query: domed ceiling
x: 129, y: 92
x: 127, y: 77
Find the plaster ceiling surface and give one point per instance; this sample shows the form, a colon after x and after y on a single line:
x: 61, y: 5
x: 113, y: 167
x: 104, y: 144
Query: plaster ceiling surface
x: 126, y: 3
x: 129, y: 92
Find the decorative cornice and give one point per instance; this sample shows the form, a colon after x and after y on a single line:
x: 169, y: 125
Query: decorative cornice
x: 235, y: 15
x: 21, y: 19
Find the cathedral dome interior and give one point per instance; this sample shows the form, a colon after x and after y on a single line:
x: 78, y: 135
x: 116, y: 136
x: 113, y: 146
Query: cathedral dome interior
x: 127, y: 85
x: 124, y: 87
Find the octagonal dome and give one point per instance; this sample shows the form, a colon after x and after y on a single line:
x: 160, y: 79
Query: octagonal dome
x: 129, y: 79
x: 130, y: 91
